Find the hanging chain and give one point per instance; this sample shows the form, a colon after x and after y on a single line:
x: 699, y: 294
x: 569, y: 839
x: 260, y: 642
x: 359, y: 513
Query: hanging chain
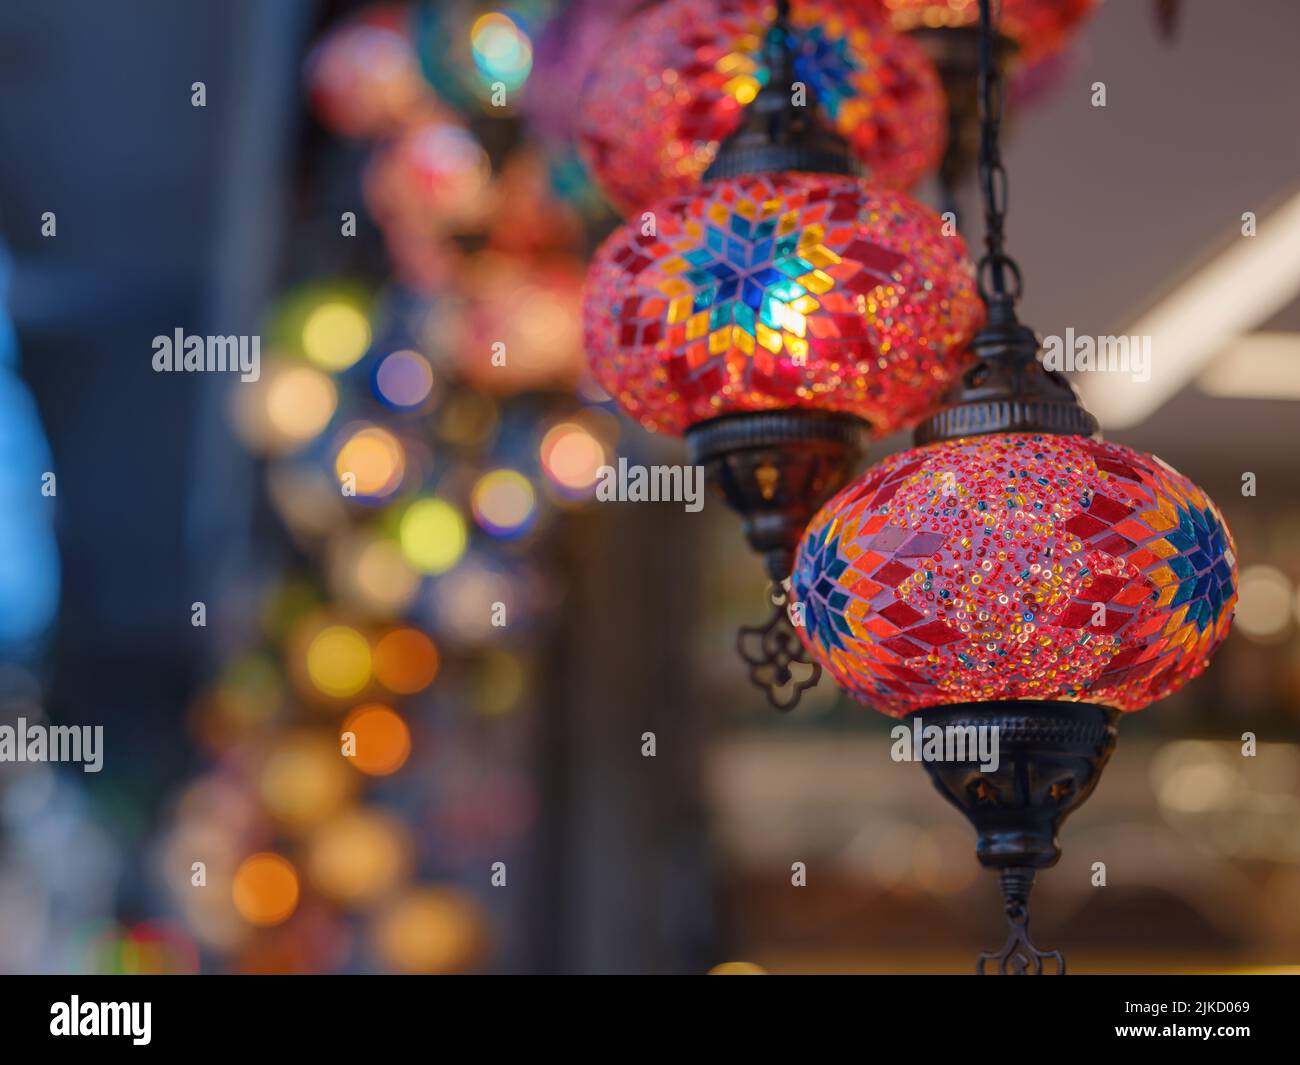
x: 997, y: 269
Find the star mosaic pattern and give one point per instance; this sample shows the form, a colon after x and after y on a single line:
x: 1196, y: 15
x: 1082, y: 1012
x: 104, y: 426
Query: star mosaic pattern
x: 779, y: 291
x: 1038, y: 27
x: 674, y: 84
x: 1016, y: 566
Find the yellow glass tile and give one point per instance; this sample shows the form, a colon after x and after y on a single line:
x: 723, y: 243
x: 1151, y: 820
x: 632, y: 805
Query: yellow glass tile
x: 671, y: 266
x: 1162, y: 575
x: 697, y: 325
x: 720, y: 340
x: 745, y: 209
x: 811, y: 237
x: 798, y: 349
x: 820, y: 256
x: 744, y: 341
x: 769, y: 338
x: 817, y: 281
x: 732, y: 62
x: 804, y: 304
x: 1158, y: 520
x: 675, y: 286
x: 743, y: 88
x: 793, y: 321
x: 1176, y: 621
x: 1161, y: 548
x: 719, y: 213
x: 1167, y: 595
x: 680, y: 309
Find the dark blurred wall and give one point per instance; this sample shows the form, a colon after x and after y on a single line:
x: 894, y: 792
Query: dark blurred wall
x: 168, y: 215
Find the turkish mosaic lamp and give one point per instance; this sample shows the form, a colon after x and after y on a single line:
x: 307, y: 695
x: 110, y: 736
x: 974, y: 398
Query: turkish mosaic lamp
x: 678, y: 80
x: 1016, y: 573
x: 778, y: 317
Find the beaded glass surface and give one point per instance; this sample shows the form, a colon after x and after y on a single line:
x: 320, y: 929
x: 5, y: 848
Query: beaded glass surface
x: 1016, y: 566
x: 776, y: 291
x: 677, y: 76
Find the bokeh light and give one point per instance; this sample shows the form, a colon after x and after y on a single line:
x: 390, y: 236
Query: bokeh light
x: 288, y: 407
x: 357, y: 857
x: 382, y: 740
x: 501, y: 49
x: 433, y: 535
x: 375, y: 458
x: 338, y: 661
x: 299, y: 403
x: 305, y: 779
x: 737, y: 968
x: 265, y: 889
x: 504, y: 503
x: 335, y: 335
x: 404, y: 379
x: 405, y: 661
x: 499, y: 683
x: 571, y: 458
x: 432, y: 930
x: 1264, y: 603
x: 370, y: 573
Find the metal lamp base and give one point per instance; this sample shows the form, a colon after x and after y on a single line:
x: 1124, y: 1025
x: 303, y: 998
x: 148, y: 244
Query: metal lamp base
x: 775, y: 469
x: 1050, y: 758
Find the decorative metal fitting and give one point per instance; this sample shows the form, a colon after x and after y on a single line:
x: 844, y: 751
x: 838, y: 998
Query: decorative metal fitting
x: 775, y: 469
x: 1008, y: 390
x: 776, y: 133
x: 1050, y: 757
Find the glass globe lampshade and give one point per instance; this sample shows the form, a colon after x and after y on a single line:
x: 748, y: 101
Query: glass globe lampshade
x: 1017, y: 579
x: 679, y: 76
x: 1016, y: 566
x: 779, y: 291
x: 363, y: 77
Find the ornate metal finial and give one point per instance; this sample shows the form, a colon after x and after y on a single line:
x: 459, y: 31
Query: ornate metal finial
x: 779, y: 131
x: 775, y: 469
x: 1008, y: 389
x: 778, y: 660
x: 1018, y: 956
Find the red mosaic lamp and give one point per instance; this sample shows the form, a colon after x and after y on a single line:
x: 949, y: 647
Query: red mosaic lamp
x: 1014, y: 572
x: 778, y: 318
x: 678, y: 82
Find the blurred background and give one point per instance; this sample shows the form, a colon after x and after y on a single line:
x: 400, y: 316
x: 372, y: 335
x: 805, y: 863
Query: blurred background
x: 498, y: 643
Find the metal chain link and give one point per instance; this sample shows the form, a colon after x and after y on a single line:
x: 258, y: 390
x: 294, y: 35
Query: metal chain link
x: 996, y: 268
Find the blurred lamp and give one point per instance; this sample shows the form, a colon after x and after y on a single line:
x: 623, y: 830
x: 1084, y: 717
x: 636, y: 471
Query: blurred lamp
x: 680, y: 76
